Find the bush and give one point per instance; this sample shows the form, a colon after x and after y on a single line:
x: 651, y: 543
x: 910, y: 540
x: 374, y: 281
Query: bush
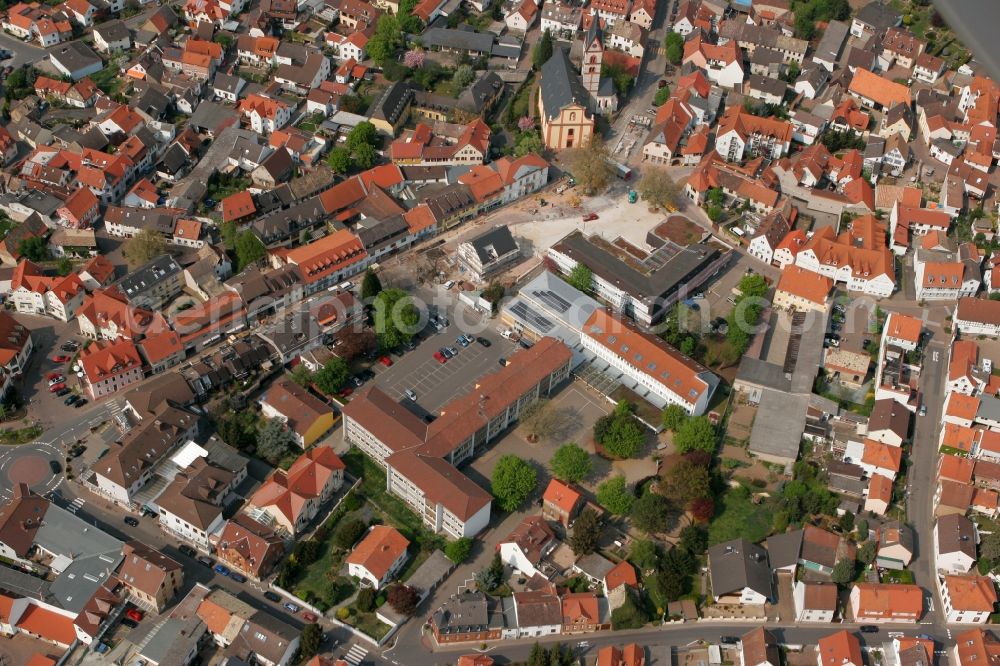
x: 343, y: 613
x: 365, y: 601
x: 458, y: 551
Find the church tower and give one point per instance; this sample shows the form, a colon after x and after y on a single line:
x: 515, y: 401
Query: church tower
x: 593, y: 55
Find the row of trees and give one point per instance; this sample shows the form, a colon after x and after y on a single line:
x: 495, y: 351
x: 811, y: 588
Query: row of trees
x: 745, y: 314
x: 359, y: 150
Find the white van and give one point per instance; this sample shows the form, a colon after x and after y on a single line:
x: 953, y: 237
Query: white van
x: 345, y: 286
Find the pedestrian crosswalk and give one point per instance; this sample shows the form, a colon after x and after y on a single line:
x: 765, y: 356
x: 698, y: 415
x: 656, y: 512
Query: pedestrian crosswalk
x: 355, y: 655
x: 76, y: 505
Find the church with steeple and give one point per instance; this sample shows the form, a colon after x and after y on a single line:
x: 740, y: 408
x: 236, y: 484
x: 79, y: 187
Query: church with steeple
x: 570, y: 99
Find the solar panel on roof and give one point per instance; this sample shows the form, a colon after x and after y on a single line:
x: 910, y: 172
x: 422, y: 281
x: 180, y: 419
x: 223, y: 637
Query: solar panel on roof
x: 552, y: 299
x: 522, y: 311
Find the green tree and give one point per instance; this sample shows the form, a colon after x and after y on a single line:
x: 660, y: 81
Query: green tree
x: 615, y: 496
x: 542, y: 51
x: 224, y: 40
x: 620, y: 433
x: 581, y: 278
x: 651, y: 513
x: 540, y: 419
x: 363, y: 134
x: 513, y: 480
x: 622, y: 80
x: 867, y: 552
x: 693, y: 540
x: 364, y: 156
x: 301, y: 375
x: 630, y: 615
x: 658, y: 188
x: 64, y: 267
x: 589, y: 166
x: 861, y: 525
x: 463, y: 76
x: 310, y: 641
x: 685, y: 481
x: 674, y: 47
x: 846, y: 522
x: 491, y: 577
x: 339, y: 160
x: 715, y: 196
x: 228, y: 232
x: 371, y: 286
x: 539, y: 656
x: 570, y: 463
x: 249, y: 249
x: 843, y: 571
x: 332, y: 376
x: 662, y: 95
x: 586, y: 533
x: 366, y: 599
x: 695, y: 434
x: 275, y: 440
x: 383, y: 44
x: 644, y: 554
x: 673, y: 417
x: 458, y: 550
x: 348, y: 533
x: 529, y: 142
x: 396, y: 318
x: 145, y: 246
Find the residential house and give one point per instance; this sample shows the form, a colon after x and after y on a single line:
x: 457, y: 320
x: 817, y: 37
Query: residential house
x: 560, y: 503
x: 740, y: 573
x: 887, y: 602
x: 152, y: 578
x: 525, y: 547
x: 289, y: 500
x: 378, y: 556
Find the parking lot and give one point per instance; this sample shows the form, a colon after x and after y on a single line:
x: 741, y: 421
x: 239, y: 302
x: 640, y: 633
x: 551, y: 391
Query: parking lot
x: 47, y: 336
x: 436, y: 383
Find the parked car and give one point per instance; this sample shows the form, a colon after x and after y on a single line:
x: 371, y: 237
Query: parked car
x: 449, y: 284
x: 55, y: 388
x: 206, y: 560
x: 729, y: 640
x: 386, y: 361
x: 590, y: 217
x: 452, y: 351
x: 411, y: 395
x: 58, y: 379
x: 79, y: 403
x: 868, y: 629
x: 502, y: 361
x: 462, y: 341
x: 68, y: 401
x: 357, y: 382
x: 129, y: 622
x: 187, y: 550
x: 54, y: 376
x: 923, y: 410
x: 222, y: 569
x: 310, y: 617
x: 439, y: 357
x: 135, y: 614
x: 55, y: 466
x: 446, y: 352
x: 272, y: 596
x: 131, y: 521
x: 484, y: 342
x: 70, y: 346
x: 61, y: 358
x: 346, y: 391
x: 238, y: 577
x: 294, y: 608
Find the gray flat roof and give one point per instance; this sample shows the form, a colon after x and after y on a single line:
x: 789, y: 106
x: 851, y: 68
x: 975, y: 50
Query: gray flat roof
x: 673, y: 272
x: 833, y: 40
x: 778, y: 426
x: 430, y: 573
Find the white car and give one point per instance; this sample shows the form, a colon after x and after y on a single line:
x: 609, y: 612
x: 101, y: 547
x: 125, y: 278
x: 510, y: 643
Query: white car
x: 449, y: 284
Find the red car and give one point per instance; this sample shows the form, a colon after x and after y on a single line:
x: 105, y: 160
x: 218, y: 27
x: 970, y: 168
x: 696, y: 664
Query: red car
x: 386, y: 361
x: 439, y: 357
x: 589, y: 216
x: 56, y: 387
x: 346, y: 391
x: 62, y: 358
x: 309, y: 617
x: 53, y: 375
x: 134, y: 614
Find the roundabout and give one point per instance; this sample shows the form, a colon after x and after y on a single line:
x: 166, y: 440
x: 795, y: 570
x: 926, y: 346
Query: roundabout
x: 30, y: 464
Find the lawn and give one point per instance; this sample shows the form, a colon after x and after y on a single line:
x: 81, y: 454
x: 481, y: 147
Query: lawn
x: 369, y: 624
x: 108, y: 80
x: 395, y: 510
x: 893, y: 576
x: 737, y: 516
x: 312, y: 123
